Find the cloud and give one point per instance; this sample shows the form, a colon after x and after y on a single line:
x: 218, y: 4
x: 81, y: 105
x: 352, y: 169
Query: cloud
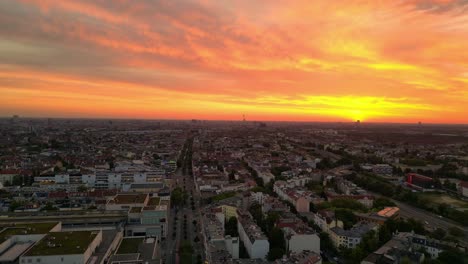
x: 224, y: 55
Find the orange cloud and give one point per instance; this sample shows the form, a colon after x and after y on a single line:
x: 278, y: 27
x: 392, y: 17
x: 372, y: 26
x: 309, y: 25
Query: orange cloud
x: 294, y: 60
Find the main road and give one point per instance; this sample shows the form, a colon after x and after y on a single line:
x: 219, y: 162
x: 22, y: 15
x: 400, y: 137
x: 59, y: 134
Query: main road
x: 431, y: 221
x: 183, y: 180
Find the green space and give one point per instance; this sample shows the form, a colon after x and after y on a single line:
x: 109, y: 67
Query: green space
x: 58, y: 243
x: 154, y: 201
x: 436, y: 199
x: 135, y: 209
x: 431, y: 202
x: 129, y: 245
x: 186, y: 251
x: 223, y: 196
x: 25, y: 229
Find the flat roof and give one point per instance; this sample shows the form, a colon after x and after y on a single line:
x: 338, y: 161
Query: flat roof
x: 130, y: 198
x: 25, y: 229
x: 63, y: 243
x: 388, y: 211
x: 12, y: 253
x: 154, y: 201
x: 130, y: 245
x: 135, y: 209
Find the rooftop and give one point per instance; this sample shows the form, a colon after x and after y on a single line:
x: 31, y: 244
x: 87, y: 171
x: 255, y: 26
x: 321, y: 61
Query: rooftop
x: 135, y: 209
x: 388, y: 211
x: 129, y: 198
x: 25, y: 229
x: 60, y: 243
x: 129, y: 245
x: 251, y: 228
x: 154, y: 201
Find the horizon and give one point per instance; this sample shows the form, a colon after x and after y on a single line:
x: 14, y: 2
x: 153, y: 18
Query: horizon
x: 326, y: 61
x: 231, y: 120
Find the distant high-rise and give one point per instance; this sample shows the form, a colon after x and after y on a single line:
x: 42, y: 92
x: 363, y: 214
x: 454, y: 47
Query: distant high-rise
x: 14, y: 119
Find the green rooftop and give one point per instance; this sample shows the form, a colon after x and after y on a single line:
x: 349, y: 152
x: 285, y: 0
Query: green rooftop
x: 154, y: 201
x: 60, y: 243
x: 129, y: 245
x: 25, y: 229
x: 135, y: 209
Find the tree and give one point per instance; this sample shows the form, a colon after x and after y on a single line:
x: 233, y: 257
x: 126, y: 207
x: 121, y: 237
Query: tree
x: 348, y: 204
x: 232, y: 176
x: 381, y: 203
x: 178, y: 197
x: 384, y: 234
x: 231, y: 227
x: 270, y: 220
x: 275, y: 253
x: 82, y: 188
x: 185, y: 252
x: 199, y: 259
x: 456, y: 232
x: 326, y: 243
x: 347, y: 216
x: 15, y: 205
x: 439, y: 233
x: 49, y: 207
x: 256, y: 211
x: 17, y: 180
x: 276, y: 238
x: 452, y: 256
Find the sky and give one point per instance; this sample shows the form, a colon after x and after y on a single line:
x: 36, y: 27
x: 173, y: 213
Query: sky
x: 321, y: 60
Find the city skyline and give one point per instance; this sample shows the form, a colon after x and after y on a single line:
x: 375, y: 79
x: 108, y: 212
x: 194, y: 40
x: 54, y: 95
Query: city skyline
x: 340, y: 61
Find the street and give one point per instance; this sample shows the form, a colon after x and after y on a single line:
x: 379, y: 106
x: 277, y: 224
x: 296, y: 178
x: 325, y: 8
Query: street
x: 181, y: 225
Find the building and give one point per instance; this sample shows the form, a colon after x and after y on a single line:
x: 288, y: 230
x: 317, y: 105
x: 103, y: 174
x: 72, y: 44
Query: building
x: 352, y: 237
x: 464, y: 188
x: 407, y: 245
x: 15, y: 239
x: 126, y: 201
x: 304, y: 257
x: 64, y: 247
x: 147, y: 216
x: 382, y: 169
x: 379, y: 217
x: 419, y: 182
x: 300, y: 238
x: 326, y: 220
x: 255, y: 241
x: 215, y: 240
x: 398, y: 248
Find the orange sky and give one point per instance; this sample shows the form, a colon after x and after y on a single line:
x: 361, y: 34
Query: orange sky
x: 377, y: 61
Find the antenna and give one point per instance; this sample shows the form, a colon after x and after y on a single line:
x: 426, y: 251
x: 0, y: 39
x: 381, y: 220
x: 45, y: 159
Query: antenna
x: 243, y: 117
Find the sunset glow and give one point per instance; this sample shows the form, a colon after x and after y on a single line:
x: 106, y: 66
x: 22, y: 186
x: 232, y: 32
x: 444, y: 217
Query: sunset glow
x: 374, y: 61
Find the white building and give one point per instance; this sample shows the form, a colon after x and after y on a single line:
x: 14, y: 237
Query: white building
x: 64, y: 247
x: 350, y: 238
x: 298, y: 240
x: 255, y: 242
x: 382, y: 169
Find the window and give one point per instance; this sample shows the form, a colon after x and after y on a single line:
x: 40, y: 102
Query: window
x: 38, y: 260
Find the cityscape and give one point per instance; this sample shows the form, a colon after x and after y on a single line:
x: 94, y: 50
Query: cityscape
x: 194, y: 191
x: 233, y: 132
